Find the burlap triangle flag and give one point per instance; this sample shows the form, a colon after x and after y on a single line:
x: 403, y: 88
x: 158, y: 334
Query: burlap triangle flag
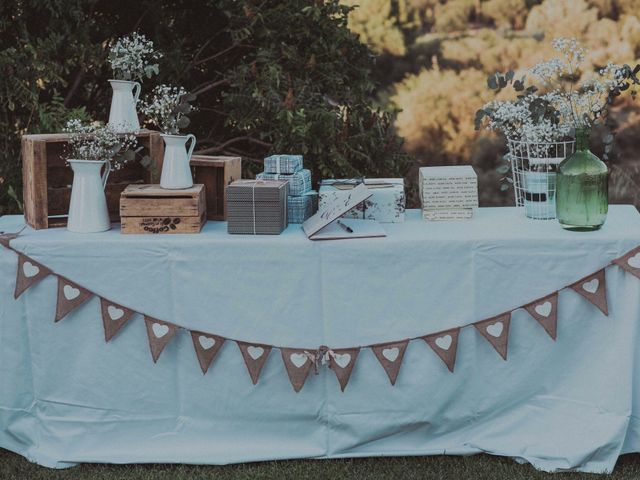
x: 160, y: 334
x: 254, y: 355
x: 298, y: 364
x: 29, y: 272
x: 341, y: 361
x: 390, y: 356
x: 70, y: 296
x: 114, y: 317
x: 496, y: 331
x: 206, y: 347
x: 5, y: 238
x: 630, y: 262
x: 594, y: 289
x: 445, y: 344
x: 545, y: 311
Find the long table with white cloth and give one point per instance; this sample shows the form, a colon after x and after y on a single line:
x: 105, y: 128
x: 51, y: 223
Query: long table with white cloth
x: 68, y: 397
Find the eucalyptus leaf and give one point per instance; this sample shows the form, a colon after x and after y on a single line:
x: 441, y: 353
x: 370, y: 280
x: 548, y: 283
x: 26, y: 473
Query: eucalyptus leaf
x: 183, y: 122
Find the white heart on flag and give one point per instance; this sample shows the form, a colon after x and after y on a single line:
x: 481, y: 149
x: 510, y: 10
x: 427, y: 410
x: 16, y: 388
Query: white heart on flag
x: 206, y: 342
x: 255, y: 352
x: 159, y: 330
x: 30, y: 270
x: 495, y: 329
x: 634, y: 262
x: 444, y: 342
x: 115, y: 313
x: 70, y: 292
x: 342, y: 359
x: 391, y: 354
x: 298, y: 359
x: 591, y: 286
x: 544, y: 309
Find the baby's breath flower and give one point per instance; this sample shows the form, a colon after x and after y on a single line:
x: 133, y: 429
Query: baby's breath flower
x: 167, y: 108
x: 133, y: 57
x: 92, y: 141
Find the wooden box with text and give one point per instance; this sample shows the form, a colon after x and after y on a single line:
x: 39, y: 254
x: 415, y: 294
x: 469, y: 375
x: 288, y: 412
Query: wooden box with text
x: 152, y: 209
x: 216, y: 172
x: 47, y: 179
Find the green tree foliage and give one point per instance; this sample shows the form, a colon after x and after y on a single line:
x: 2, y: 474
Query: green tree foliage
x: 506, y: 13
x: 562, y: 18
x: 436, y: 107
x: 453, y: 16
x: 270, y: 76
x: 451, y: 45
x: 374, y: 22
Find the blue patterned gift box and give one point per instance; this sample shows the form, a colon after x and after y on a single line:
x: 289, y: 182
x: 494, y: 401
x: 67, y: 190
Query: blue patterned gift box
x: 299, y: 182
x: 386, y: 204
x: 283, y: 164
x: 302, y: 207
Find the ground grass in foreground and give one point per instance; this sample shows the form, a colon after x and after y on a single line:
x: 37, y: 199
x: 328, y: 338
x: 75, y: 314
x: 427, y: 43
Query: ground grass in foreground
x: 478, y: 467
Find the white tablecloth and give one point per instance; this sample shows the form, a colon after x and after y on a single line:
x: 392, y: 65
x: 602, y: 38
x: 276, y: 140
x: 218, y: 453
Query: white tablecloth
x: 67, y: 397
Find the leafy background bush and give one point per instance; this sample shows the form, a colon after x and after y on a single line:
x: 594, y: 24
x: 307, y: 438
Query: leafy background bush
x: 270, y: 76
x: 377, y: 90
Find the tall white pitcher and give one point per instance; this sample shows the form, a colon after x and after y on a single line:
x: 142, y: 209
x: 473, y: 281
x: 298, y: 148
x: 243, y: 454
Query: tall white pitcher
x: 88, y: 211
x: 123, y: 117
x: 176, y: 172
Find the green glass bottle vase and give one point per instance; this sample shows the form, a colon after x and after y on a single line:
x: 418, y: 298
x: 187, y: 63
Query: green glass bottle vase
x: 582, y: 197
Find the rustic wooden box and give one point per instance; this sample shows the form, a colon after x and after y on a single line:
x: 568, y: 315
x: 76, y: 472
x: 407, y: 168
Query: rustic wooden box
x: 47, y: 179
x: 216, y: 172
x: 152, y: 209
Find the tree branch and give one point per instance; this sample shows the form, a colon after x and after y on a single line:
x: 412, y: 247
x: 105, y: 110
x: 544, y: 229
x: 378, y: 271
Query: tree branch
x: 219, y: 54
x: 224, y: 145
x: 210, y: 86
x: 77, y: 81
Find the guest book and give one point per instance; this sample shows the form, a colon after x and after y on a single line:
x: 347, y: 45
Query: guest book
x: 327, y: 224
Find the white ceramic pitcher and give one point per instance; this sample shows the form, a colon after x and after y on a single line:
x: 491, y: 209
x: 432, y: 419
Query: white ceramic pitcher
x: 88, y: 211
x: 176, y: 172
x: 123, y: 117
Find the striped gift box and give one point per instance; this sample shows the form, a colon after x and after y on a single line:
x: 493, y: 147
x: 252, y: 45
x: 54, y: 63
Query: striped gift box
x: 302, y: 207
x: 283, y: 164
x: 299, y: 182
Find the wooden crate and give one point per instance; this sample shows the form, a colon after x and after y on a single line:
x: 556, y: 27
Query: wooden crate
x: 216, y: 173
x: 152, y: 209
x: 47, y: 179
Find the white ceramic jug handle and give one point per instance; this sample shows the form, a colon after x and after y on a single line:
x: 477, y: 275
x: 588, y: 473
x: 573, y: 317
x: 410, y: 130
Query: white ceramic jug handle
x: 105, y: 175
x: 137, y: 89
x: 193, y: 145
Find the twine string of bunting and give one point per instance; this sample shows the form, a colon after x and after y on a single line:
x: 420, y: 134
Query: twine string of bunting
x: 299, y: 361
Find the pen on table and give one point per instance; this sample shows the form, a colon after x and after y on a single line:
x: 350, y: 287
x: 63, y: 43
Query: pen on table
x: 345, y: 227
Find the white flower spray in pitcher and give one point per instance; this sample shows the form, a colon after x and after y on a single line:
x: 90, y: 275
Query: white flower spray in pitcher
x: 132, y: 58
x: 168, y: 108
x: 94, y: 150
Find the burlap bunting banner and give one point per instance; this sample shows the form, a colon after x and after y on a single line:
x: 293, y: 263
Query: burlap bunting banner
x: 496, y: 331
x: 206, y: 347
x: 29, y: 273
x: 254, y: 355
x: 114, y: 317
x: 545, y: 311
x: 390, y: 356
x: 594, y: 289
x: 160, y: 334
x: 630, y: 262
x: 445, y: 344
x: 5, y: 238
x: 298, y: 364
x: 342, y: 361
x: 70, y: 296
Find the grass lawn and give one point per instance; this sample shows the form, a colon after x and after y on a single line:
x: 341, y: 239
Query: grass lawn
x: 479, y: 467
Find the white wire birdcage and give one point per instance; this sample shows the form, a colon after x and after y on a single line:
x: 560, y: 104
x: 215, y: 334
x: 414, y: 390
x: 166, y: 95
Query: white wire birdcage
x: 534, y: 167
